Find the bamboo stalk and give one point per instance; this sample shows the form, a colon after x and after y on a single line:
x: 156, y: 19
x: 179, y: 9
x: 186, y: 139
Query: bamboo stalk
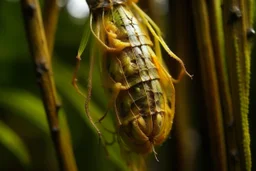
x: 39, y: 52
x: 210, y: 84
x: 238, y: 16
x: 217, y: 35
x: 51, y: 14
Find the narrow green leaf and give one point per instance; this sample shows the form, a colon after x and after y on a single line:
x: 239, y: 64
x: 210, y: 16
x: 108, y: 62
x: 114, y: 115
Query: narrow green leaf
x: 30, y: 108
x: 11, y: 141
x: 85, y: 38
x: 25, y: 105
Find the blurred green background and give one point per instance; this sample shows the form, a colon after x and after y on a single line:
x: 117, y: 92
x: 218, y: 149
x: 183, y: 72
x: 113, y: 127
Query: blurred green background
x: 25, y: 143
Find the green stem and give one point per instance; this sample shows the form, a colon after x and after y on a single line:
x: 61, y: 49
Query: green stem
x: 237, y: 21
x: 210, y: 84
x: 39, y: 52
x: 51, y: 14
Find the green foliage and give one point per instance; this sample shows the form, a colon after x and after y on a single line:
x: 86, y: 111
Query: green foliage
x: 10, y: 141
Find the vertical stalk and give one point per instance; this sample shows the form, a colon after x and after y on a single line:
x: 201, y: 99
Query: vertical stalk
x: 50, y: 20
x: 217, y: 34
x: 210, y: 84
x: 238, y: 17
x: 39, y: 52
x: 51, y: 14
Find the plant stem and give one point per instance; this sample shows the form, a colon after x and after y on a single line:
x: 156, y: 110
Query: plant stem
x: 210, y: 84
x: 51, y: 14
x: 217, y: 34
x: 39, y: 52
x: 237, y: 20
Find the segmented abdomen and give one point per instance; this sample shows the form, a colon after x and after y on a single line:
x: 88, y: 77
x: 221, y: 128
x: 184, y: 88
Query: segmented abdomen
x: 142, y: 104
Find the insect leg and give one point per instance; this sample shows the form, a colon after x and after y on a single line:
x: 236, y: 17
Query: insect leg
x: 116, y: 88
x: 144, y: 16
x: 112, y: 85
x: 118, y: 45
x: 88, y: 99
x: 155, y: 31
x: 114, y: 133
x: 74, y: 79
x: 111, y: 31
x: 160, y: 61
x: 82, y: 46
x: 157, y: 49
x: 110, y: 49
x: 89, y: 92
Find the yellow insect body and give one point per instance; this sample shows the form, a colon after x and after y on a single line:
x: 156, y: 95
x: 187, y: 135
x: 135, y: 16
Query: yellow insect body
x: 142, y: 91
x: 141, y: 96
